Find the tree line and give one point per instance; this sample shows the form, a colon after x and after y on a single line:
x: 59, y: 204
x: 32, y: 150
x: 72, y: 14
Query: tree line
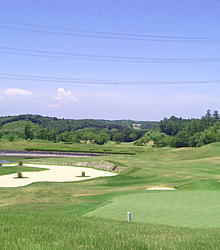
x: 62, y: 125
x: 178, y: 132
x: 51, y: 128
x: 173, y: 131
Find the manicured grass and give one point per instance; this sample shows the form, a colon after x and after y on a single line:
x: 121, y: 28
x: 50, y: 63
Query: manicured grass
x: 160, y: 167
x: 77, y: 148
x: 176, y: 208
x: 41, y: 145
x: 25, y: 229
x: 194, y: 172
x: 14, y: 169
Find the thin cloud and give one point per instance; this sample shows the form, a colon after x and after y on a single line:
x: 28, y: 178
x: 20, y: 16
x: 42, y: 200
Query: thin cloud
x: 9, y: 92
x: 63, y: 95
x: 53, y: 105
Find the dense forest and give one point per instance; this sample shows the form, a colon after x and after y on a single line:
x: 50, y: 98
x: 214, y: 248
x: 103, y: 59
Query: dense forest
x: 173, y: 131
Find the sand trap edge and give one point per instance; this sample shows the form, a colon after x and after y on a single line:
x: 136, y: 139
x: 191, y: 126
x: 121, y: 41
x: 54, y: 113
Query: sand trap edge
x: 160, y: 188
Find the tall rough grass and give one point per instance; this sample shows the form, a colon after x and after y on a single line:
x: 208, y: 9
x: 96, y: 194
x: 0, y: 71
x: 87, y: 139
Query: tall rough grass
x: 45, y: 230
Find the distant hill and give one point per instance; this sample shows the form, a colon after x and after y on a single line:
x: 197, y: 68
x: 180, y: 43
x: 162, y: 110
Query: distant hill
x: 69, y: 125
x: 173, y: 131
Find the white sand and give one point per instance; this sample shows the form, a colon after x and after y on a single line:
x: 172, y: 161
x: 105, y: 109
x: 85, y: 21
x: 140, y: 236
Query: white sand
x: 54, y: 174
x: 160, y: 188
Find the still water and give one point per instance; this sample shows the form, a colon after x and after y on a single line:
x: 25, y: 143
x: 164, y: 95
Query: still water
x: 4, y: 161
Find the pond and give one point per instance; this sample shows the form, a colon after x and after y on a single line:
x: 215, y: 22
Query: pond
x: 4, y: 161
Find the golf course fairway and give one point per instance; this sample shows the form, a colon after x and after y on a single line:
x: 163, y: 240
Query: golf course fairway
x: 174, y: 208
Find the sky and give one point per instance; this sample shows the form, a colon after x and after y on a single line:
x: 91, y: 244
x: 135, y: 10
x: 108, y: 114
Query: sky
x: 110, y: 59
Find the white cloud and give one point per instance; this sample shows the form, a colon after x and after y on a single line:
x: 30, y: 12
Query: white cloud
x: 9, y: 92
x: 63, y: 95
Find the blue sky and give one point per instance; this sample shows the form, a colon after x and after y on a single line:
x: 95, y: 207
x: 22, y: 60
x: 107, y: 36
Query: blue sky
x: 51, y: 58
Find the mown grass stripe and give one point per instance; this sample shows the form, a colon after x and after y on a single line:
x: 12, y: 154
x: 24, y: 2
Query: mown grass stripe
x: 176, y: 208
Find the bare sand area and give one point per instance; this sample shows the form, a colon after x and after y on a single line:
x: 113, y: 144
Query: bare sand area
x: 160, y: 188
x: 54, y: 174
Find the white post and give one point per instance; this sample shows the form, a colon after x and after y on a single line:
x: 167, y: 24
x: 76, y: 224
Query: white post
x: 129, y: 216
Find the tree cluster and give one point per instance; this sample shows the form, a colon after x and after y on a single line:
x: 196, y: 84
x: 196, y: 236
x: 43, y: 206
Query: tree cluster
x: 177, y: 132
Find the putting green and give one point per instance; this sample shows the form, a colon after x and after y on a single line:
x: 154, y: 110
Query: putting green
x: 176, y: 208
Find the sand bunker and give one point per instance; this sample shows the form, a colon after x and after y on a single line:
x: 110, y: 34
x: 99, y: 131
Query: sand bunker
x: 54, y: 174
x: 160, y: 188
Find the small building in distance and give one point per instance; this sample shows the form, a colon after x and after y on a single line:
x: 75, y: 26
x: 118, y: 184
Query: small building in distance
x: 136, y: 125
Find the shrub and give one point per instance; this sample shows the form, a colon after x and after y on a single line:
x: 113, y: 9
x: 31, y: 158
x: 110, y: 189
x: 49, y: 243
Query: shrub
x: 19, y: 175
x: 83, y: 174
x: 0, y: 164
x: 11, y: 137
x: 20, y: 163
x: 138, y: 143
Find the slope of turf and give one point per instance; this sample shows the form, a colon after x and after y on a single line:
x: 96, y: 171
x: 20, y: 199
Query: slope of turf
x: 176, y: 208
x: 23, y: 229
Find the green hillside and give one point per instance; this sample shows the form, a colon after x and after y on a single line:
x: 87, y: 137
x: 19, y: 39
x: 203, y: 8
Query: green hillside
x: 92, y: 213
